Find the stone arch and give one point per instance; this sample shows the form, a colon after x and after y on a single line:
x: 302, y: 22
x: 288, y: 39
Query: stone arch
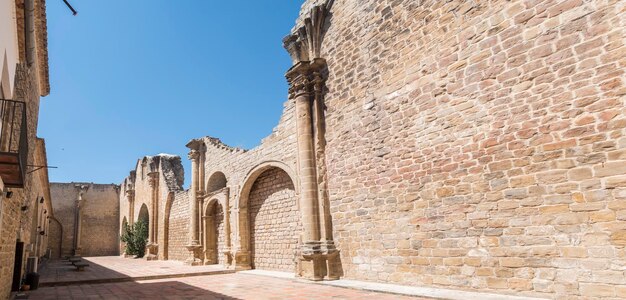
x: 214, y: 222
x: 216, y: 181
x: 144, y: 214
x: 269, y: 218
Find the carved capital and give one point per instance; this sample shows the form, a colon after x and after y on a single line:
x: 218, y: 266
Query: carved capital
x: 153, y: 178
x: 193, y: 154
x: 298, y: 85
x: 305, y: 77
x: 130, y: 194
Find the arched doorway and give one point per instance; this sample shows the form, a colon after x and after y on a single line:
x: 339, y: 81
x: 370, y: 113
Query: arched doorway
x: 274, y: 219
x: 214, y: 233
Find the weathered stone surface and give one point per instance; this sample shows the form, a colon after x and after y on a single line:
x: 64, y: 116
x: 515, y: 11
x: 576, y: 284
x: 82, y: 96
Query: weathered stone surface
x: 466, y: 144
x: 99, y: 218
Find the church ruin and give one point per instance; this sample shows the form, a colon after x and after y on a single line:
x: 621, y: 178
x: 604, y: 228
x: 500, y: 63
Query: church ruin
x: 475, y: 145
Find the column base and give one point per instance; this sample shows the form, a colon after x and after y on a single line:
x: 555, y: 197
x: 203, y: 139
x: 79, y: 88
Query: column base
x: 194, y: 255
x: 210, y: 258
x: 242, y: 260
x: 77, y: 252
x: 318, y: 261
x: 152, y: 251
x: 228, y: 258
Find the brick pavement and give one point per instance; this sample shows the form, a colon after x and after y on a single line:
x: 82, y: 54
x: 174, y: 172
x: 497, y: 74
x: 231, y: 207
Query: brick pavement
x: 115, y: 268
x: 221, y: 286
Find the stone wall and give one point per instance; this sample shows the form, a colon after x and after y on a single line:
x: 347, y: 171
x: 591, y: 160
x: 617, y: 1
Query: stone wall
x: 475, y: 145
x: 274, y: 221
x: 100, y: 215
x: 479, y: 144
x: 21, y: 214
x: 178, y: 235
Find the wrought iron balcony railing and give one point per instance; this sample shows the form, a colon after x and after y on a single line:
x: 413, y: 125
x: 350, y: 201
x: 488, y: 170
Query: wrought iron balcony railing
x: 13, y: 143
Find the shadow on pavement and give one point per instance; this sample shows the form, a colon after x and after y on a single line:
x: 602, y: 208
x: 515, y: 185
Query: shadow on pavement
x: 126, y: 290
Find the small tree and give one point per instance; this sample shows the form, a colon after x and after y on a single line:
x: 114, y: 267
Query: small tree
x: 135, y: 237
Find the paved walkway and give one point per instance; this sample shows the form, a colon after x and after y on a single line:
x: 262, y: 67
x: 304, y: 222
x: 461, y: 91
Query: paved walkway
x: 221, y: 286
x: 115, y: 268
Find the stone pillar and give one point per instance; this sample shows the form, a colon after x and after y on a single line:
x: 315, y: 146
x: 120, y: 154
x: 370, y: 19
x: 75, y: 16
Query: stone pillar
x: 312, y: 265
x: 228, y: 258
x: 152, y: 248
x: 327, y: 244
x: 243, y: 257
x: 194, y: 247
x: 130, y: 195
x: 78, y: 219
x: 304, y: 46
x: 306, y: 158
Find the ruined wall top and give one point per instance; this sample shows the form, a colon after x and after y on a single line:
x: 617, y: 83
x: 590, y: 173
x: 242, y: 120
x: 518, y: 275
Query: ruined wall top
x: 304, y: 43
x: 169, y: 166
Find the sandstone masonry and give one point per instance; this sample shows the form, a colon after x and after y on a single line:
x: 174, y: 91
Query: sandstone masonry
x: 96, y: 232
x: 476, y: 145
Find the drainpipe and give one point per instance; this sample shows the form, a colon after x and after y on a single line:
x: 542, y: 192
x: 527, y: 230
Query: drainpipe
x: 29, y: 27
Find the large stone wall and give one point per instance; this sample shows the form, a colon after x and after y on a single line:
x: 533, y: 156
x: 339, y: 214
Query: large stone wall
x: 474, y: 145
x: 99, y: 233
x: 479, y: 144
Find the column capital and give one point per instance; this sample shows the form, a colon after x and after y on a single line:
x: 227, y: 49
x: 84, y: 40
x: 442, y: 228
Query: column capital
x: 305, y: 76
x: 130, y: 194
x: 193, y: 154
x: 153, y: 178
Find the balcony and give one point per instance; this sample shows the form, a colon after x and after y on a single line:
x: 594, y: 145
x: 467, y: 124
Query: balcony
x: 13, y: 143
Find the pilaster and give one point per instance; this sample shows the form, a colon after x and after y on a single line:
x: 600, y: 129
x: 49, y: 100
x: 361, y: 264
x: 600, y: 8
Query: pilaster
x: 194, y: 247
x: 152, y: 248
x: 317, y: 258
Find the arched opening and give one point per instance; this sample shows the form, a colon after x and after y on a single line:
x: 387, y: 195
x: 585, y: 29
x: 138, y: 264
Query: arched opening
x: 123, y: 229
x: 216, y: 182
x: 143, y: 215
x: 141, y: 229
x: 214, y: 233
x: 274, y: 219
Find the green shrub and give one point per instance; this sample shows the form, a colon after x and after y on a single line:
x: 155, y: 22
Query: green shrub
x: 135, y: 237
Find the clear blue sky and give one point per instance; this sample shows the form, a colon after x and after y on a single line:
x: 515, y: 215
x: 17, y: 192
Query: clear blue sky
x: 135, y: 78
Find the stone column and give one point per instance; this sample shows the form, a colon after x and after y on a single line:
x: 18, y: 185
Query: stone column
x: 242, y: 254
x: 78, y: 219
x: 130, y: 195
x: 312, y: 265
x: 194, y: 246
x: 318, y: 256
x: 228, y: 258
x: 326, y: 230
x: 152, y: 248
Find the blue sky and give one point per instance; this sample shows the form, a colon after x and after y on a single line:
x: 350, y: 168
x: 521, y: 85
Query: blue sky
x: 135, y: 78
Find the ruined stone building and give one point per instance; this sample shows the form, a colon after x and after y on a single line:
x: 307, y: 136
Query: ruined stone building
x: 25, y: 208
x: 474, y: 145
x: 87, y: 218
